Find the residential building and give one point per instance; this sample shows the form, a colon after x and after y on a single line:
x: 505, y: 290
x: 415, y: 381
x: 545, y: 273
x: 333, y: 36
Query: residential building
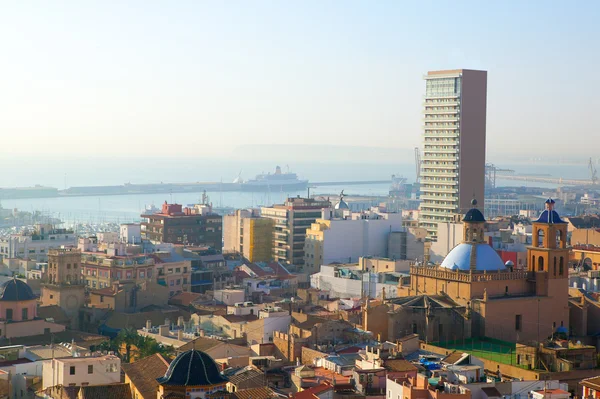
x: 101, y: 270
x: 173, y: 271
x: 590, y: 388
x: 229, y: 296
x: 34, y: 245
x: 453, y: 161
x: 246, y: 378
x: 340, y: 235
x: 130, y: 233
x: 247, y: 233
x: 419, y: 387
x: 291, y: 219
x: 188, y: 226
x: 129, y: 296
x: 355, y: 281
x: 270, y: 319
x: 82, y: 371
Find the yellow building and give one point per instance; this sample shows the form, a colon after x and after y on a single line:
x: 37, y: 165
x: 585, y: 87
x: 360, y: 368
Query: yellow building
x: 247, y: 233
x: 257, y: 239
x: 313, y: 246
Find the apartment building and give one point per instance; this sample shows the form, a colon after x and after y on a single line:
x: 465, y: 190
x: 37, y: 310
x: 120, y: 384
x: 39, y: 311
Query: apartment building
x: 453, y: 162
x: 247, y: 233
x: 291, y: 219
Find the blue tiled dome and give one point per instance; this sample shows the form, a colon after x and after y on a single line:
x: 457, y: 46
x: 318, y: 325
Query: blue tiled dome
x: 474, y: 215
x: 486, y: 258
x: 193, y: 368
x: 550, y: 216
x: 15, y: 290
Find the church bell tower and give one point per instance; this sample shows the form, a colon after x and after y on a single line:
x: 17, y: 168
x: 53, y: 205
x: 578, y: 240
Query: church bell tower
x: 548, y: 252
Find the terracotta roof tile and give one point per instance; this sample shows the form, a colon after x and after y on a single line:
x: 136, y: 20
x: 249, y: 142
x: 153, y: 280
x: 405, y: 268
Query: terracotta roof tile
x: 254, y: 393
x: 113, y: 391
x: 144, y: 372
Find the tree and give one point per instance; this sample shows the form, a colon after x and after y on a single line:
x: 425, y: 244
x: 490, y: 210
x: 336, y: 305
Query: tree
x: 148, y: 346
x: 128, y: 337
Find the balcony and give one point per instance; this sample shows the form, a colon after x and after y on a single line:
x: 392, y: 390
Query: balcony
x: 441, y: 150
x: 445, y: 215
x: 449, y: 127
x: 440, y: 158
x: 438, y: 190
x: 426, y: 172
x: 437, y: 198
x: 428, y: 205
x: 429, y: 111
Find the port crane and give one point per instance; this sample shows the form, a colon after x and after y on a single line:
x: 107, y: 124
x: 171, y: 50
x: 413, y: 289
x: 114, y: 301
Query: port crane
x: 490, y: 174
x: 418, y: 164
x: 593, y: 172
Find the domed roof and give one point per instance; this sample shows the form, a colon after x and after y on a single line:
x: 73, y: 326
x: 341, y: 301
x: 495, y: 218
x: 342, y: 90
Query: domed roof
x: 16, y: 290
x: 192, y: 368
x: 485, y: 256
x: 474, y: 215
x: 549, y: 215
x: 341, y: 205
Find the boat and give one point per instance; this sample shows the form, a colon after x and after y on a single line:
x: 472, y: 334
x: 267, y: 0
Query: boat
x: 274, y: 182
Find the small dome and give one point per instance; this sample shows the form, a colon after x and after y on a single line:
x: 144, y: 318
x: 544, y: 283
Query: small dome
x: 16, y: 290
x: 474, y: 215
x: 193, y: 368
x: 341, y: 205
x: 486, y: 258
x: 549, y: 216
x: 509, y: 263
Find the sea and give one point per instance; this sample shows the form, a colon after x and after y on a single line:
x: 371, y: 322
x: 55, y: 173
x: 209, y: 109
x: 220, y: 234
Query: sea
x: 128, y: 208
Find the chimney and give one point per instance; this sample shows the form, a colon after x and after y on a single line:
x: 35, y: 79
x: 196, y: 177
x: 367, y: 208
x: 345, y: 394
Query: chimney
x: 180, y: 321
x: 180, y: 335
x: 148, y: 325
x: 163, y: 331
x: 202, y: 333
x: 168, y: 323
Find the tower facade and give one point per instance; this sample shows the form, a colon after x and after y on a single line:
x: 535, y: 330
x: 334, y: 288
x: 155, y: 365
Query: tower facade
x: 64, y: 285
x: 453, y: 162
x: 549, y: 252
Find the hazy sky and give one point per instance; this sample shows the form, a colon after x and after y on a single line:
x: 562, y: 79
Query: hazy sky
x: 190, y: 77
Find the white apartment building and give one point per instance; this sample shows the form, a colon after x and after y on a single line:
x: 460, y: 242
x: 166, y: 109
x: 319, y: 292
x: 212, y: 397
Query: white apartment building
x: 350, y: 281
x: 35, y: 245
x: 453, y: 161
x: 341, y: 235
x: 82, y: 371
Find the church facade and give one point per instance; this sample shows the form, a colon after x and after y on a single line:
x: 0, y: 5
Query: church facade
x: 484, y: 296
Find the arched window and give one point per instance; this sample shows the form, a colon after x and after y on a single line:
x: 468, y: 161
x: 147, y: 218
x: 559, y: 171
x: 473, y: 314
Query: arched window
x: 540, y: 238
x: 558, y: 239
x: 533, y: 262
x: 540, y: 264
x: 555, y: 265
x: 561, y: 266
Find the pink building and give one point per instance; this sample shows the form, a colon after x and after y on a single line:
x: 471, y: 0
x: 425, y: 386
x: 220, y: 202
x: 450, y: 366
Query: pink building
x: 419, y: 388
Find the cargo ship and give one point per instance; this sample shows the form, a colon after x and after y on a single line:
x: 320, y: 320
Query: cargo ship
x: 274, y: 182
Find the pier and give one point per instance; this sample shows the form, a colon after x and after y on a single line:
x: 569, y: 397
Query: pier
x: 546, y: 179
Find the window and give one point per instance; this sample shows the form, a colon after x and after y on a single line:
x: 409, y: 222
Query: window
x: 101, y: 298
x: 111, y: 368
x: 9, y: 314
x: 72, y: 370
x: 51, y: 296
x: 24, y: 314
x: 172, y: 282
x: 90, y: 369
x: 561, y: 267
x: 68, y: 265
x: 518, y: 322
x: 506, y: 290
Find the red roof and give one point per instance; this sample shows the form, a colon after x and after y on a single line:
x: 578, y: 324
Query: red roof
x: 553, y: 391
x: 311, y: 393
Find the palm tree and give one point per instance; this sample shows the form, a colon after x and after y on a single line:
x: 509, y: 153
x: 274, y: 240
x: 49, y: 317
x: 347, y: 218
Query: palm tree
x: 128, y: 337
x: 148, y: 346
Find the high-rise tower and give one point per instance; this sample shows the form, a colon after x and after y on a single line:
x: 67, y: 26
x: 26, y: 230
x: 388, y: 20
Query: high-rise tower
x: 453, y: 163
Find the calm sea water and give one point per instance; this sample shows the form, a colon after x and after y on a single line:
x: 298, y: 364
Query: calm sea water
x: 126, y: 208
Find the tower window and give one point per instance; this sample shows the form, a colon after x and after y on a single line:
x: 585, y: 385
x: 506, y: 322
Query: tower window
x: 555, y: 266
x: 518, y: 322
x: 506, y: 290
x: 561, y: 266
x: 540, y: 264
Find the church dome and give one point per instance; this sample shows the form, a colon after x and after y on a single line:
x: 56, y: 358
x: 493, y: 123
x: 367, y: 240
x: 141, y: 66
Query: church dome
x: 486, y: 258
x: 193, y: 368
x: 16, y: 290
x: 341, y: 205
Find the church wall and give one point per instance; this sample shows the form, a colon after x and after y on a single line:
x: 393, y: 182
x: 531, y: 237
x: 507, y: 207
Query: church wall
x: 501, y: 317
x: 410, y: 320
x: 501, y: 287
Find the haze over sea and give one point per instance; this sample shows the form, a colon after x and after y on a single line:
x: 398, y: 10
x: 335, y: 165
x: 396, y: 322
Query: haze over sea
x: 124, y: 208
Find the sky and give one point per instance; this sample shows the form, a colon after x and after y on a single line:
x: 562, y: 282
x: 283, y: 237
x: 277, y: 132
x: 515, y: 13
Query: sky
x: 178, y: 79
